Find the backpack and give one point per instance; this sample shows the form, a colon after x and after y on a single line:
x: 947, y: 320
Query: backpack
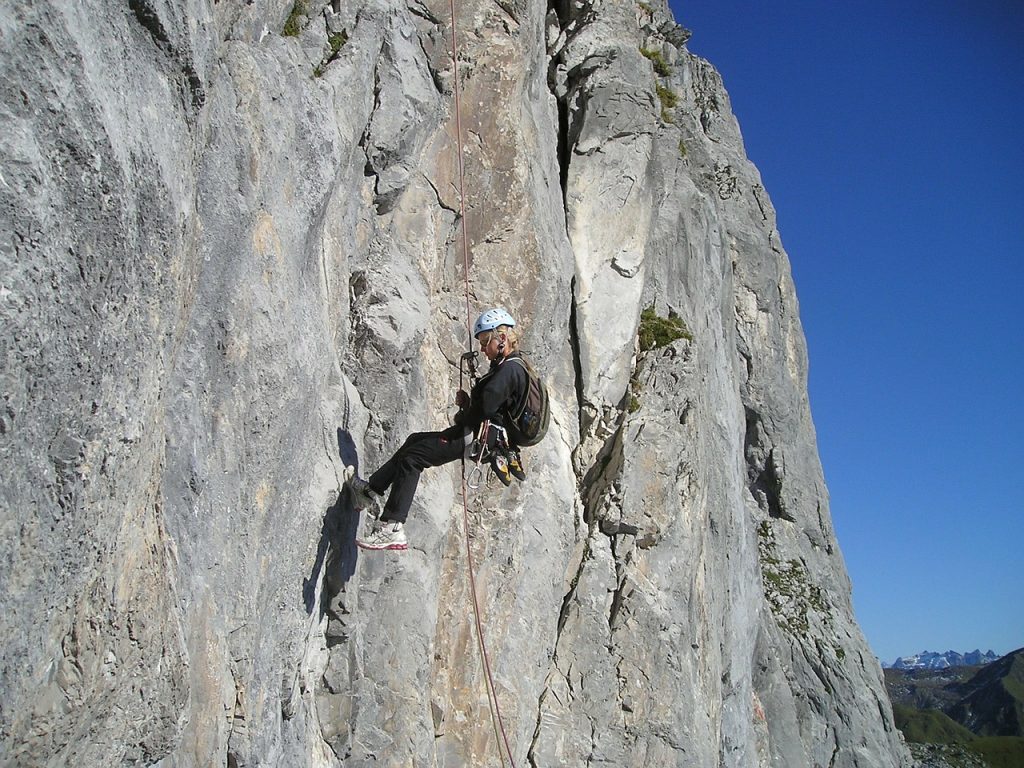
x: 528, y: 422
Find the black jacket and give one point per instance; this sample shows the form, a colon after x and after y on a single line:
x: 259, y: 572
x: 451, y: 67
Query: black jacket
x: 500, y: 391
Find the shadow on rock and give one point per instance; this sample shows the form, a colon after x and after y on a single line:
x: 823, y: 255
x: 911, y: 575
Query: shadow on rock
x: 337, y: 552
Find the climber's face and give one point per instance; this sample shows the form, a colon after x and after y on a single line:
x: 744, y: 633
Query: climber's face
x: 490, y: 341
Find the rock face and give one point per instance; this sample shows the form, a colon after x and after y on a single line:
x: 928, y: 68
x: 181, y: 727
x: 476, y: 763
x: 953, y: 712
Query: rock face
x: 231, y: 266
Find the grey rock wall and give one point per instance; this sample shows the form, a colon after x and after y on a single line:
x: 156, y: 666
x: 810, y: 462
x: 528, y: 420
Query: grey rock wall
x: 231, y: 266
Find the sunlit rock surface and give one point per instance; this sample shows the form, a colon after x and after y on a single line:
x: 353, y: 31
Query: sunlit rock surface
x: 231, y: 265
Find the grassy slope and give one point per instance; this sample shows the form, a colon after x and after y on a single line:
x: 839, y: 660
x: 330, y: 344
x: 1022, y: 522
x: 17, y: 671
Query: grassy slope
x: 1000, y: 751
x: 929, y: 726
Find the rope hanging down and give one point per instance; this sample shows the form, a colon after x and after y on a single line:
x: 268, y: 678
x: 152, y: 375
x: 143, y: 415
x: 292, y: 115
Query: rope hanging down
x: 462, y: 175
x: 492, y: 695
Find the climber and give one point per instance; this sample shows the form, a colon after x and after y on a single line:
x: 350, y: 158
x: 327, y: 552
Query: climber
x: 483, y: 415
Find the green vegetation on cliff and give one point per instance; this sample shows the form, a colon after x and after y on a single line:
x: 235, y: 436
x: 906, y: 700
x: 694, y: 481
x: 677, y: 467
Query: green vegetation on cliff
x: 293, y: 24
x: 658, y: 61
x: 658, y: 331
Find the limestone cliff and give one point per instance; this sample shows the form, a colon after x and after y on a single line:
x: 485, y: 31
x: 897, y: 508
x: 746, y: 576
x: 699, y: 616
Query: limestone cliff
x: 231, y: 265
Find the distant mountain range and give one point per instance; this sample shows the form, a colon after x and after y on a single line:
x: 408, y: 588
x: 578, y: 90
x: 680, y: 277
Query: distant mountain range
x: 932, y: 660
x: 979, y: 708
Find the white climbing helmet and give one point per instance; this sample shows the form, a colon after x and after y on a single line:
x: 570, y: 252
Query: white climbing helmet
x: 491, y: 319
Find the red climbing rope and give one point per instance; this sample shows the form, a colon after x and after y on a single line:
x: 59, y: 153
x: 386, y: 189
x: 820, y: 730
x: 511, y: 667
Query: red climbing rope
x: 462, y: 174
x: 492, y: 695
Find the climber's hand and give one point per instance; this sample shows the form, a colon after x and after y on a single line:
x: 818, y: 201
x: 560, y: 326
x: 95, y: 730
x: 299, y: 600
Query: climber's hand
x: 462, y: 399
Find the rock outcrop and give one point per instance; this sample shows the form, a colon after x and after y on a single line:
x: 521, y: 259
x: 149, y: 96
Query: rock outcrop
x: 231, y: 266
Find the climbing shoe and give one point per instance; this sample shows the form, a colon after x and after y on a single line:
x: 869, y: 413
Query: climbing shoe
x: 500, y: 465
x: 515, y: 465
x: 363, y: 496
x: 386, y: 534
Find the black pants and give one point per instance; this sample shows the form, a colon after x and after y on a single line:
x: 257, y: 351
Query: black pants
x: 402, y: 471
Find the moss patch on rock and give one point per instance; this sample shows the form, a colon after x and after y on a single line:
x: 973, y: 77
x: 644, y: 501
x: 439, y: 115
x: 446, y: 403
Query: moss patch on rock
x: 658, y: 331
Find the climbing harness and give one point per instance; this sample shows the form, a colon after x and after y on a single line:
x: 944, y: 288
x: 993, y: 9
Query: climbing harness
x: 470, y: 359
x: 482, y: 454
x: 479, y: 450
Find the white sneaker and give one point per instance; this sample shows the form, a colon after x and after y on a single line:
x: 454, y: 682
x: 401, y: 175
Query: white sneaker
x: 385, y: 535
x: 363, y: 495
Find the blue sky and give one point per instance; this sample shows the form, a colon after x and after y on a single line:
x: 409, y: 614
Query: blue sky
x: 890, y: 137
